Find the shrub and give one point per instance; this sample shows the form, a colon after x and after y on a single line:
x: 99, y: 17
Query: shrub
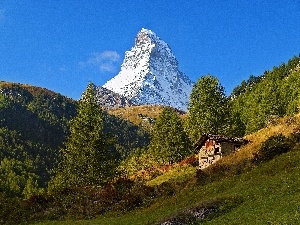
x: 122, y: 186
x: 202, y: 177
x: 295, y: 137
x: 166, y: 189
x: 273, y: 146
x: 139, y: 195
x: 12, y: 211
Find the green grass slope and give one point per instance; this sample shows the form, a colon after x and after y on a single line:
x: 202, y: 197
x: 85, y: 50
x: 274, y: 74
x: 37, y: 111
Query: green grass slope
x: 265, y: 193
x: 268, y: 194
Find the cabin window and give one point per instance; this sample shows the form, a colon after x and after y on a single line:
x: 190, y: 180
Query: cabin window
x: 217, y: 150
x: 236, y: 147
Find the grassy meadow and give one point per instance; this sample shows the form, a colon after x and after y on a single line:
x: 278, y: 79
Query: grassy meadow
x: 246, y: 193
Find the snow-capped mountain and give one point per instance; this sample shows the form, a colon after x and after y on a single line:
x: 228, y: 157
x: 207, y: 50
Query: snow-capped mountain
x: 149, y: 74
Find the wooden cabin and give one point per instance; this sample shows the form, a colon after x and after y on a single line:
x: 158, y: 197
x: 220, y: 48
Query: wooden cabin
x: 211, y: 148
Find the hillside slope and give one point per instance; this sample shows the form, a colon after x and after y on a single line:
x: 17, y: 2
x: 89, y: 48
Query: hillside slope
x: 33, y: 126
x: 144, y: 115
x: 264, y: 193
x: 272, y: 95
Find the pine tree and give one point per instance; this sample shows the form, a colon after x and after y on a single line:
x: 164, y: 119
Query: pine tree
x: 169, y: 142
x: 30, y: 188
x: 208, y: 108
x: 85, y: 158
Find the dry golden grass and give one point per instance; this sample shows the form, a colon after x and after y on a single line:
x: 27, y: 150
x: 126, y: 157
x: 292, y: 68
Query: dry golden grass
x: 231, y: 164
x: 240, y: 159
x: 138, y: 114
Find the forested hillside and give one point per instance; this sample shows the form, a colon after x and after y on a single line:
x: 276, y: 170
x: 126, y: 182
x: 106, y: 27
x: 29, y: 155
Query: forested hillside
x: 34, y: 123
x: 263, y: 99
x: 32, y: 128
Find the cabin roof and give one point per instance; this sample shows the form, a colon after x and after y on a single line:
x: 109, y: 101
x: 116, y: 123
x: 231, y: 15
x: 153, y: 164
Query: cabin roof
x: 218, y: 138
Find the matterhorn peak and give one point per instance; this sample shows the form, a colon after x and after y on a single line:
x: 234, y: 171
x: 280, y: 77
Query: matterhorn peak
x: 149, y: 74
x: 149, y: 33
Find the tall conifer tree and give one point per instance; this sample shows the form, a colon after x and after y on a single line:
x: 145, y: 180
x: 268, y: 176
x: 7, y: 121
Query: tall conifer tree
x: 85, y: 158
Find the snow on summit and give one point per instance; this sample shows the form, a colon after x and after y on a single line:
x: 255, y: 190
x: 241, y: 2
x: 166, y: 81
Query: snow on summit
x: 149, y: 74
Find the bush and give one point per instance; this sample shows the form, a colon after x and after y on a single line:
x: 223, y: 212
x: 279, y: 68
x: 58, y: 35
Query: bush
x: 122, y: 186
x: 202, y: 177
x: 273, y: 146
x: 139, y: 195
x: 166, y: 189
x: 295, y: 137
x: 12, y: 211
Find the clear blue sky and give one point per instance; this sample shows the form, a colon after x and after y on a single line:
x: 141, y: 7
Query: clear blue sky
x: 63, y: 44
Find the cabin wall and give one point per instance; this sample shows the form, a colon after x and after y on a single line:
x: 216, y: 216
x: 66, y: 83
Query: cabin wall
x: 212, y: 151
x: 227, y: 148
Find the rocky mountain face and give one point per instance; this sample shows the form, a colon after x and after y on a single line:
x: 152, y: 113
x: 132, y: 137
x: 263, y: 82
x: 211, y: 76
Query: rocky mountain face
x: 149, y: 75
x: 111, y: 100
